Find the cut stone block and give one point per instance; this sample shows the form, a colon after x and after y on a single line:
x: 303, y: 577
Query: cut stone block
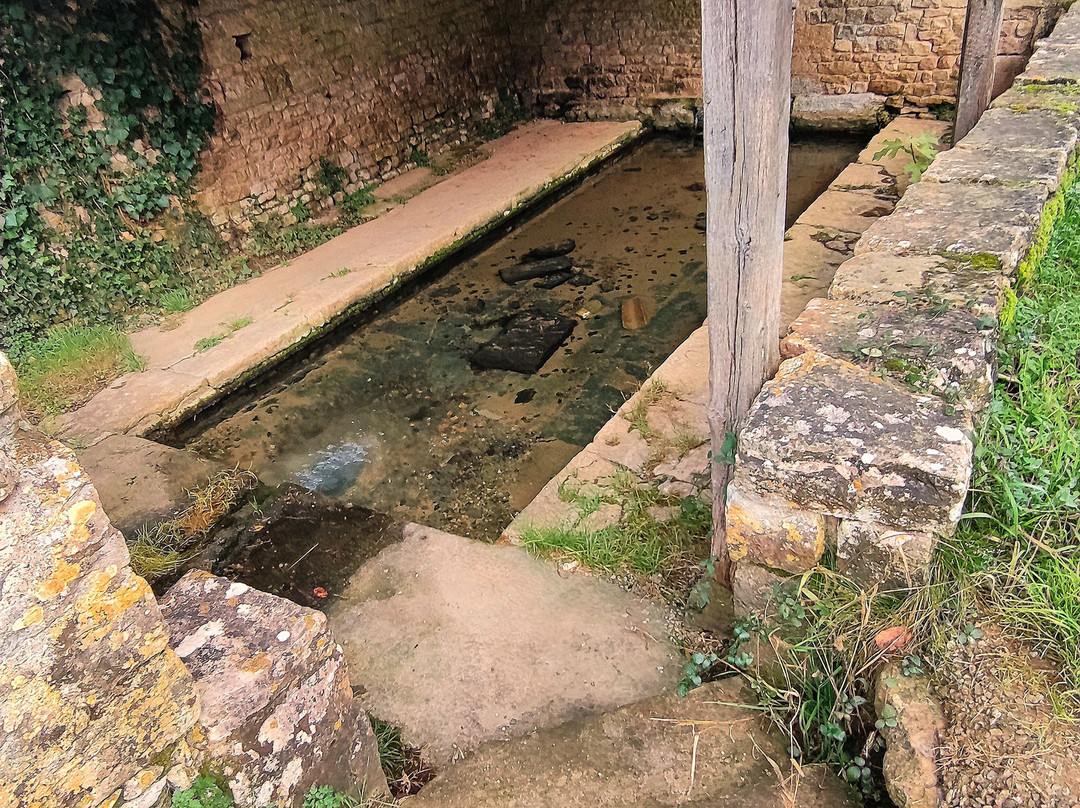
x: 851, y: 211
x: 1053, y: 63
x: 820, y: 112
x: 811, y: 256
x: 876, y: 278
x: 937, y: 218
x: 1000, y: 166
x: 1002, y: 130
x: 771, y: 531
x: 875, y: 555
x: 832, y: 438
x: 945, y: 352
x: 860, y: 176
x: 277, y: 707
x: 754, y: 589
x: 527, y: 341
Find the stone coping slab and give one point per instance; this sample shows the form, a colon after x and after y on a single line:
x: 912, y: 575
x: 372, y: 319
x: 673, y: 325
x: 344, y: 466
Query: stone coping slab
x: 288, y: 305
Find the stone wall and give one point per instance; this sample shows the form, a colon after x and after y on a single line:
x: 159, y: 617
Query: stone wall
x: 360, y: 83
x: 598, y: 59
x: 863, y: 440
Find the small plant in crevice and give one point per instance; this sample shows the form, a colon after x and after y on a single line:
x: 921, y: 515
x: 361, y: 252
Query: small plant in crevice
x: 203, y: 793
x: 420, y: 158
x: 696, y: 671
x: 330, y: 177
x: 354, y: 203
x: 922, y: 149
x: 404, y: 767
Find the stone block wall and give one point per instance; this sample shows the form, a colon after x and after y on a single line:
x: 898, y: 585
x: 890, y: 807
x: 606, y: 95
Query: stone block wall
x: 360, y: 83
x: 863, y: 440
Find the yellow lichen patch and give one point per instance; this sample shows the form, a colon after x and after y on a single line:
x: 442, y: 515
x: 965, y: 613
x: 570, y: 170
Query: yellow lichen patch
x: 740, y: 524
x: 34, y: 615
x: 56, y: 583
x: 80, y: 515
x: 259, y: 662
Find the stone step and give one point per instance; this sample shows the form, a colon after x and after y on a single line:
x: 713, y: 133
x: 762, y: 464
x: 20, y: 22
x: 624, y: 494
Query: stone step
x: 711, y: 748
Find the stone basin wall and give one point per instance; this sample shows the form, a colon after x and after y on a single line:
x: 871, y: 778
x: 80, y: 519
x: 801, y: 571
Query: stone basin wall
x: 863, y: 439
x: 96, y: 706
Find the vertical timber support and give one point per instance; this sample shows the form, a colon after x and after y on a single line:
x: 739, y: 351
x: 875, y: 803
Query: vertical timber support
x: 982, y: 29
x: 746, y: 61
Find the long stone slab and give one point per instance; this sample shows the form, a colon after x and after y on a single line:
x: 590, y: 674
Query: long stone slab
x: 294, y: 302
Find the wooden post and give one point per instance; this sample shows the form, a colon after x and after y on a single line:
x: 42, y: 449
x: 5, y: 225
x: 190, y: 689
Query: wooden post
x: 746, y: 62
x: 982, y: 29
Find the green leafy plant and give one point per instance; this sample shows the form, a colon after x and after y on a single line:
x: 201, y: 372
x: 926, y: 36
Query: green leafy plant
x: 354, y: 203
x: 695, y: 671
x: 420, y: 158
x: 922, y: 149
x: 330, y: 177
x: 204, y: 793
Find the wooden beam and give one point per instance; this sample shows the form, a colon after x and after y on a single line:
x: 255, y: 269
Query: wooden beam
x: 746, y: 61
x: 982, y: 30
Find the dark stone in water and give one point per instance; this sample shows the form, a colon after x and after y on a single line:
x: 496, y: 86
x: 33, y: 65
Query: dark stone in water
x: 550, y: 250
x: 700, y: 223
x: 536, y: 269
x: 696, y: 187
x: 525, y: 344
x: 554, y: 279
x: 581, y: 279
x: 525, y: 396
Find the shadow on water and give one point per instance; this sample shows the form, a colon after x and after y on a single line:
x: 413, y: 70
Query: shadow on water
x: 393, y: 417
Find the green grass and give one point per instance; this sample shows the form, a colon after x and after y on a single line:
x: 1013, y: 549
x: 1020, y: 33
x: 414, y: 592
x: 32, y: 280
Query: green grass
x: 638, y: 543
x: 63, y: 370
x: 177, y: 301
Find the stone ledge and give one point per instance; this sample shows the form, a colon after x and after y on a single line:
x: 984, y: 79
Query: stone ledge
x: 925, y: 345
x: 937, y: 218
x: 830, y: 437
x: 821, y: 112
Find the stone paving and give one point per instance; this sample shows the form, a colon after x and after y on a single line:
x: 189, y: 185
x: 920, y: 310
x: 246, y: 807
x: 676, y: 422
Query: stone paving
x: 297, y: 301
x: 675, y: 454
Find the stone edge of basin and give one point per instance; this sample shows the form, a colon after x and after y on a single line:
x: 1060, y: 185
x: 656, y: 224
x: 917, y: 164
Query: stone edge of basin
x: 158, y: 399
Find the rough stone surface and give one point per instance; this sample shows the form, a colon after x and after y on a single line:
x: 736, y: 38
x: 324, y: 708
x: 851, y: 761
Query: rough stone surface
x: 837, y: 113
x: 999, y: 166
x: 1054, y: 64
x: 831, y: 437
x: 918, y: 345
x: 90, y: 691
x: 753, y: 589
x: 909, y: 768
x: 881, y: 278
x: 772, y: 532
x: 700, y: 751
x: 459, y: 642
x: 877, y: 556
x: 954, y: 218
x: 142, y: 482
x: 278, y: 711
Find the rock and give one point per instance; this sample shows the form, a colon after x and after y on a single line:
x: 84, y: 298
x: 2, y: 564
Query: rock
x: 525, y: 344
x: 582, y: 279
x: 935, y: 218
x: 834, y: 439
x: 700, y: 222
x: 877, y: 556
x: 771, y: 532
x: 909, y: 768
x: 700, y: 751
x: 554, y: 279
x: 819, y: 112
x: 918, y: 344
x: 550, y: 250
x: 90, y: 692
x: 142, y: 482
x: 754, y: 589
x: 536, y: 269
x: 601, y: 519
x: 278, y: 711
x: 634, y: 315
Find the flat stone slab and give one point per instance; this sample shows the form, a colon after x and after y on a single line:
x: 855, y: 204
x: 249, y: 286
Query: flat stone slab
x: 956, y: 219
x: 288, y: 304
x: 994, y: 166
x: 702, y: 751
x: 459, y: 642
x: 1053, y: 63
x: 1005, y: 129
x: 829, y: 436
x: 883, y: 278
x: 923, y: 345
x: 142, y: 482
x: 822, y: 112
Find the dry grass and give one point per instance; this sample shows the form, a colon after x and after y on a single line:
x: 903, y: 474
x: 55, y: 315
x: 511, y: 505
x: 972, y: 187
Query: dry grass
x: 162, y: 549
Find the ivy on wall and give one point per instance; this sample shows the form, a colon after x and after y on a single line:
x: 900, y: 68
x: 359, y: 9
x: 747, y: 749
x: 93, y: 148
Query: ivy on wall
x: 101, y: 125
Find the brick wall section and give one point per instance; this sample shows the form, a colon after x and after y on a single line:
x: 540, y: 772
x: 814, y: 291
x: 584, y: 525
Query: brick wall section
x: 903, y: 48
x: 359, y: 82
x: 876, y: 455
x: 595, y: 57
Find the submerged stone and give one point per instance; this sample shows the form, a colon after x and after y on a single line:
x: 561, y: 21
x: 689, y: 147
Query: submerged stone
x: 550, y: 250
x: 526, y: 342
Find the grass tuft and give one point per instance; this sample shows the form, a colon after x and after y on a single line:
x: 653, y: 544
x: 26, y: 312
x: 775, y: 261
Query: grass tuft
x: 62, y: 371
x: 163, y: 549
